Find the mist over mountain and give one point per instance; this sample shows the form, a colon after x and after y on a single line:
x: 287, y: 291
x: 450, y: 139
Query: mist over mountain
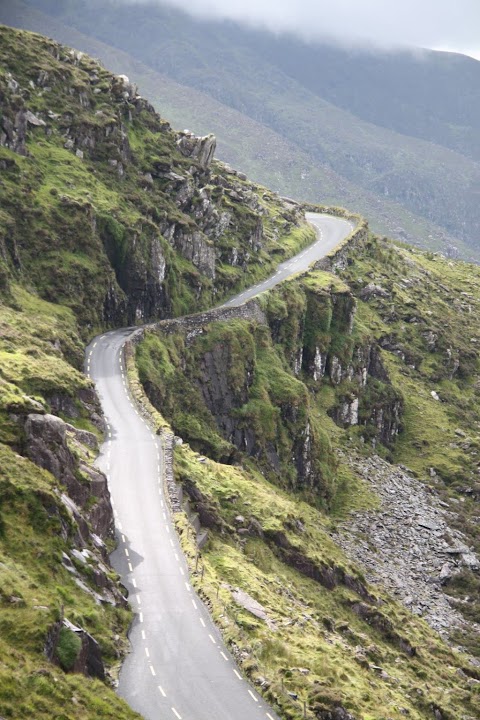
x: 393, y: 134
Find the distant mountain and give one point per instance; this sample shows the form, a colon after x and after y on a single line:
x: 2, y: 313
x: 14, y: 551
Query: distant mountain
x: 395, y: 135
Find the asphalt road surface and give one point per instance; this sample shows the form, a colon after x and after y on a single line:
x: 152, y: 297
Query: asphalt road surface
x: 178, y: 667
x: 330, y: 232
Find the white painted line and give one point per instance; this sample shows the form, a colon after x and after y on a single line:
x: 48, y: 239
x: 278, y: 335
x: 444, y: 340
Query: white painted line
x: 147, y: 652
x: 203, y: 622
x: 164, y: 516
x: 139, y: 600
x: 194, y: 604
x: 181, y: 571
x: 176, y: 557
x: 177, y: 715
x: 152, y: 670
x: 223, y: 655
x: 126, y: 552
x: 140, y: 617
x: 123, y: 537
x: 252, y: 695
x: 212, y: 639
x: 188, y: 587
x: 143, y: 635
x: 270, y: 717
x: 134, y: 582
x: 167, y: 528
x: 171, y: 542
x: 119, y: 525
x: 237, y: 674
x: 130, y: 568
x: 164, y: 693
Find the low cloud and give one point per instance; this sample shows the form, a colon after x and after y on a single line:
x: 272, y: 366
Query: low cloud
x: 386, y: 23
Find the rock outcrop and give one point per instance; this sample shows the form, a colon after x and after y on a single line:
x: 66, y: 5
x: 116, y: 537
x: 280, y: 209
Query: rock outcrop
x: 47, y: 445
x: 200, y: 149
x: 87, y: 658
x: 160, y: 226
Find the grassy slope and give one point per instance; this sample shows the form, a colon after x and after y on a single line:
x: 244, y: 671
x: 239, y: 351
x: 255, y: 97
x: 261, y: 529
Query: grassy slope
x: 246, y: 142
x: 39, y: 342
x: 88, y: 232
x: 54, y: 270
x: 316, y: 628
x: 431, y: 319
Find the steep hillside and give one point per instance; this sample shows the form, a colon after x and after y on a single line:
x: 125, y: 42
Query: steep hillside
x: 107, y: 217
x: 62, y: 608
x: 417, y: 152
x: 243, y: 142
x: 121, y: 210
x: 293, y: 419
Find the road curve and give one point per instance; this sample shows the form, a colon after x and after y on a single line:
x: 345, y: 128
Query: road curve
x: 330, y: 232
x: 178, y: 667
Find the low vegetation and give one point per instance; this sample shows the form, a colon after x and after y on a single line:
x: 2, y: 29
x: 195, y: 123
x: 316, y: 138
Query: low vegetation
x: 327, y: 637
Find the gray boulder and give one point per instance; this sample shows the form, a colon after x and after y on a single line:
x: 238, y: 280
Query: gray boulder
x: 201, y: 149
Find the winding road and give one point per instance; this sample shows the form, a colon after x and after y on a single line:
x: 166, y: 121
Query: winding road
x: 178, y: 667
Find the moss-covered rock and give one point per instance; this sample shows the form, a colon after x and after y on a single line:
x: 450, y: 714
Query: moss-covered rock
x: 106, y: 209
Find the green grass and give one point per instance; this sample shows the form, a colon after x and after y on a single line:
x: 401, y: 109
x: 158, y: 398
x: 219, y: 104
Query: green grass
x: 315, y: 628
x: 318, y: 629
x: 59, y: 210
x: 35, y: 530
x: 41, y: 355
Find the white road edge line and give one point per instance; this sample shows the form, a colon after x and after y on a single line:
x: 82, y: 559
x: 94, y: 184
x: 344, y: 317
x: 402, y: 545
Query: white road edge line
x: 237, y: 674
x: 177, y: 715
x: 252, y: 695
x: 164, y: 693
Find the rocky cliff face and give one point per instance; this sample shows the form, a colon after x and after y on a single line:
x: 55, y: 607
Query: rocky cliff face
x: 256, y: 385
x: 314, y: 323
x: 127, y: 220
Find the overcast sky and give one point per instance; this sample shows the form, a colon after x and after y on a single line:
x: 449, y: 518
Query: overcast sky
x: 443, y: 24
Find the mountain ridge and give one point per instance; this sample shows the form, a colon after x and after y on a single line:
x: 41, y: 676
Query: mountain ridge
x: 305, y: 174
